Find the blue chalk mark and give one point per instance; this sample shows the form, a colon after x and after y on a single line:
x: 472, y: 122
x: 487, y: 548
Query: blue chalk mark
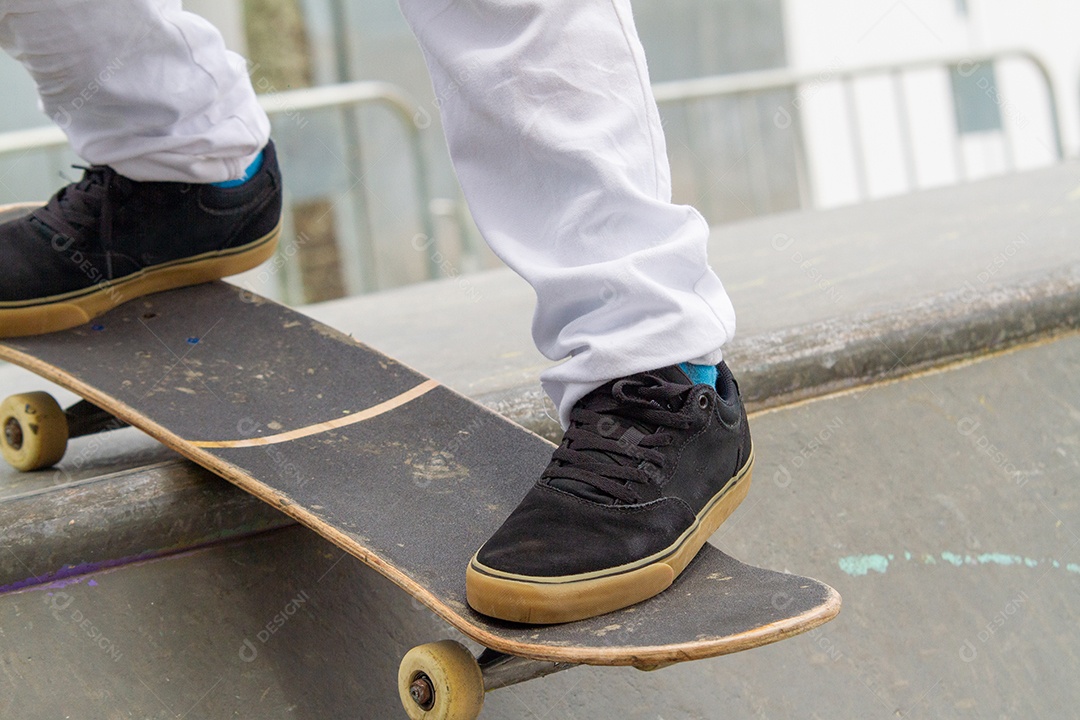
x: 862, y: 564
x: 856, y: 565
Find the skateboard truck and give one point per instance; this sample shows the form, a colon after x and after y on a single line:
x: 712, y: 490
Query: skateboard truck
x: 36, y: 429
x: 443, y: 681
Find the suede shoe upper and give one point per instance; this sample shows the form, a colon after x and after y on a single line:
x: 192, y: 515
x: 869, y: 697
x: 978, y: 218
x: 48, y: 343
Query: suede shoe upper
x: 642, y: 457
x: 106, y: 227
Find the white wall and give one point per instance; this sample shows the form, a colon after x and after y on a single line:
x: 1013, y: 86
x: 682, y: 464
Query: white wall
x: 827, y: 35
x: 1048, y: 27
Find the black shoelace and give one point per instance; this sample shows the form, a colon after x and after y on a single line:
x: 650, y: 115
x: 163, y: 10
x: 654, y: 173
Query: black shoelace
x: 82, y: 211
x: 613, y: 439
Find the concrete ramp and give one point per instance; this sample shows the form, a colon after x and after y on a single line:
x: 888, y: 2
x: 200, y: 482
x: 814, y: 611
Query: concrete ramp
x: 936, y: 489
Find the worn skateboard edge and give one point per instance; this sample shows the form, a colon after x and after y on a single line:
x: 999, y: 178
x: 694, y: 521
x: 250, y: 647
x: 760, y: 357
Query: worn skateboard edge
x: 650, y: 656
x: 642, y: 656
x: 16, y: 206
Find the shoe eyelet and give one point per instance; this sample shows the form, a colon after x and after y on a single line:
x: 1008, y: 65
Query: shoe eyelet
x: 703, y: 401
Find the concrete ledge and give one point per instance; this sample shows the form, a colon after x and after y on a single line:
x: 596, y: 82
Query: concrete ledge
x: 120, y: 517
x: 776, y: 368
x: 785, y: 366
x: 827, y: 300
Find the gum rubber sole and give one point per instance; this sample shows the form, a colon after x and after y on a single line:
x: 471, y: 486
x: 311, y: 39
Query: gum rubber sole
x: 61, y: 312
x: 542, y: 601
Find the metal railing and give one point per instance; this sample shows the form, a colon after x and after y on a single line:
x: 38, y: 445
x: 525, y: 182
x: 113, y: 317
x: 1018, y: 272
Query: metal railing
x: 745, y: 89
x: 347, y: 98
x: 745, y: 86
x: 42, y: 138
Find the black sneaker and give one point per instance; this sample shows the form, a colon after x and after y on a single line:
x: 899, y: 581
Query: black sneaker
x: 107, y: 239
x: 649, y: 468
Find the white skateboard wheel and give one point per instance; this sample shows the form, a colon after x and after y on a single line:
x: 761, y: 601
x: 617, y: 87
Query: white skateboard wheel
x: 441, y: 681
x: 33, y: 431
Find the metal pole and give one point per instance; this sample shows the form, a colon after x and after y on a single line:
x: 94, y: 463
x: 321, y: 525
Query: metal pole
x: 366, y: 274
x: 907, y: 143
x: 856, y: 137
x: 501, y: 670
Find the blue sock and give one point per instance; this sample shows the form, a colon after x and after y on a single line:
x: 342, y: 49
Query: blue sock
x: 700, y: 374
x: 248, y: 174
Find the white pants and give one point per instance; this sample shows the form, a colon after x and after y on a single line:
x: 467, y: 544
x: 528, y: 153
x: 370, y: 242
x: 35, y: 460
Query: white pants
x: 139, y: 85
x: 552, y: 128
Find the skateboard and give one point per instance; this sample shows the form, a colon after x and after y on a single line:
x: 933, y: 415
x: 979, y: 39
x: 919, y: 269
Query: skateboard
x: 401, y: 472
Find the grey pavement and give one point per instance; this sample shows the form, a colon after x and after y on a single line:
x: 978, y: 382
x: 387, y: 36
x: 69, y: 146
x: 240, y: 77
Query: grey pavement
x: 937, y: 494
x: 942, y: 506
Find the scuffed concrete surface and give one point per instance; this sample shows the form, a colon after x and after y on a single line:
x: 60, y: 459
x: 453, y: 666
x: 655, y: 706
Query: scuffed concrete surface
x: 944, y: 508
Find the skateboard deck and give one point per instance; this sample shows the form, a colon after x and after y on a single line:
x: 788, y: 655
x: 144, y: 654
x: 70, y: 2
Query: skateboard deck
x: 394, y: 468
